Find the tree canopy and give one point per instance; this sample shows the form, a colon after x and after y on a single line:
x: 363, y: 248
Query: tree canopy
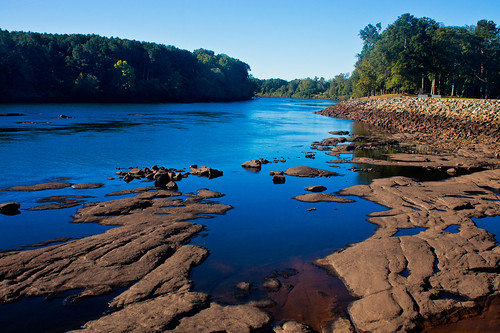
x: 89, y: 68
x: 412, y: 55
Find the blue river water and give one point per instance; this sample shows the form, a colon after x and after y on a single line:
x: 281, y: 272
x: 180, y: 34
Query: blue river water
x: 266, y: 230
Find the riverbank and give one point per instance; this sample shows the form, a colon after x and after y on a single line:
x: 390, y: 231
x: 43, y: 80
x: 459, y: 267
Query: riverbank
x: 428, y: 261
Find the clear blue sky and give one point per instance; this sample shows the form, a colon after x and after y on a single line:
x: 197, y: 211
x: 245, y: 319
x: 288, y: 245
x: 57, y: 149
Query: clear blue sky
x: 277, y: 38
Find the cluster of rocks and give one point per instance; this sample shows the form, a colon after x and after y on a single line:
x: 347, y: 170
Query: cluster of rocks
x: 256, y: 165
x: 444, y: 118
x: 167, y: 178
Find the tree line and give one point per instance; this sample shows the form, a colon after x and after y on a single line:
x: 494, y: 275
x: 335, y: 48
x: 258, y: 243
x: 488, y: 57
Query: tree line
x: 415, y: 56
x: 38, y: 67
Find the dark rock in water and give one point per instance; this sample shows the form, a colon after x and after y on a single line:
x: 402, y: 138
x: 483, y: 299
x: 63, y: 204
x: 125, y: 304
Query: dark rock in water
x: 274, y: 173
x: 162, y: 179
x: 63, y: 116
x: 315, y: 188
x: 204, y: 171
x: 11, y: 114
x: 128, y: 178
x: 279, y: 179
x: 264, y: 161
x: 10, y: 208
x: 311, y: 156
x: 252, y: 164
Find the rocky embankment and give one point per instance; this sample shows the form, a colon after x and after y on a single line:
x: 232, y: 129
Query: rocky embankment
x: 455, y: 119
x: 427, y: 262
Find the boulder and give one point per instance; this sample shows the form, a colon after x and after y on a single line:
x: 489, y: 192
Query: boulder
x: 274, y: 173
x: 10, y: 208
x: 204, y: 171
x: 161, y: 179
x: 252, y: 164
x: 279, y: 179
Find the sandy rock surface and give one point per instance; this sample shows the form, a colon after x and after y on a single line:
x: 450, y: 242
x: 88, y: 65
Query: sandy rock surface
x: 434, y: 272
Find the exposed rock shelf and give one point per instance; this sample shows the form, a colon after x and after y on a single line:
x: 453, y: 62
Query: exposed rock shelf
x: 403, y: 281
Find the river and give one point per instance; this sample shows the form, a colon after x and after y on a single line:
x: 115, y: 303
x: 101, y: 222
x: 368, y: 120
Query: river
x: 266, y: 231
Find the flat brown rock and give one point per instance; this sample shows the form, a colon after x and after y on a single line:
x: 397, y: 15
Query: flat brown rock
x: 411, y: 276
x: 133, y: 191
x: 38, y: 187
x: 321, y: 197
x: 147, y: 254
x: 305, y: 171
x: 217, y: 318
x: 154, y: 315
x: 87, y: 185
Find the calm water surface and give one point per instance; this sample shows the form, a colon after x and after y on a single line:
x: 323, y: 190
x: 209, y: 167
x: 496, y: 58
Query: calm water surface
x: 267, y: 230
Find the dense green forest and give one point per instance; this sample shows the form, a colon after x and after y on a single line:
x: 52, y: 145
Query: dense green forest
x: 412, y: 55
x: 88, y: 68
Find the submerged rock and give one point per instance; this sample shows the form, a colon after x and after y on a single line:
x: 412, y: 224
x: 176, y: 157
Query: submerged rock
x: 38, y: 187
x: 321, y: 197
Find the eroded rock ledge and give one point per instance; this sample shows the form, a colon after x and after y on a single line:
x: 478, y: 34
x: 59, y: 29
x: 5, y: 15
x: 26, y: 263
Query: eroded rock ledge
x: 404, y: 281
x: 147, y: 254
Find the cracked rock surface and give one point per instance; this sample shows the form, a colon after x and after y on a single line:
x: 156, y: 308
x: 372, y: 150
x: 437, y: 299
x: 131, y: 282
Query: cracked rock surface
x: 402, y: 281
x: 147, y: 254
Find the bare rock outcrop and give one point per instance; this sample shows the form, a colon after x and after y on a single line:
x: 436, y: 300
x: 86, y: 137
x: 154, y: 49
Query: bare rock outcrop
x: 433, y: 273
x: 147, y: 254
